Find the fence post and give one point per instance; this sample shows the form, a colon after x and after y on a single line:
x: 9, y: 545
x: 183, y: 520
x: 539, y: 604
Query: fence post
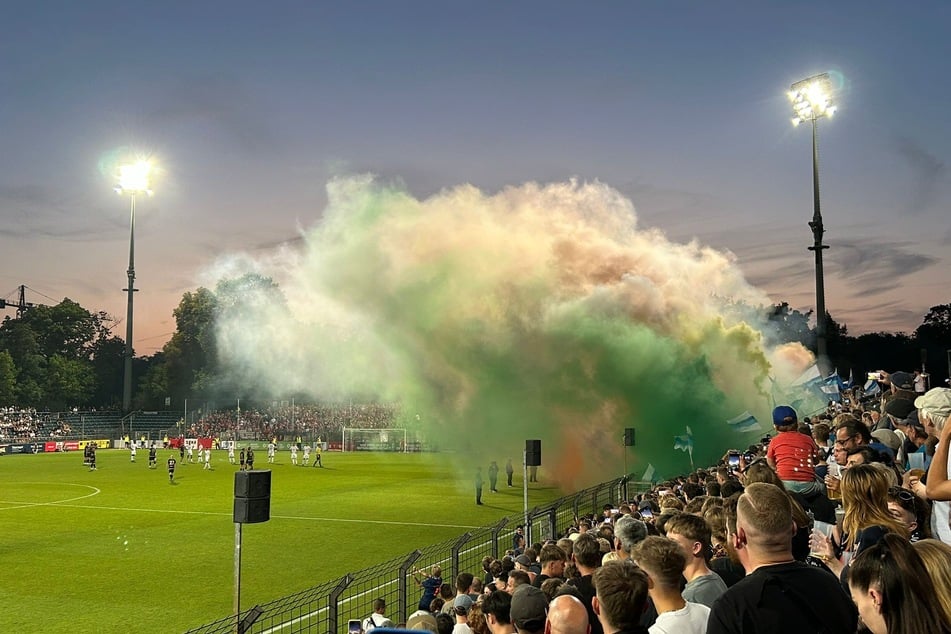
x: 455, y: 552
x: 332, y: 606
x: 552, y: 523
x: 495, y: 536
x: 402, y: 586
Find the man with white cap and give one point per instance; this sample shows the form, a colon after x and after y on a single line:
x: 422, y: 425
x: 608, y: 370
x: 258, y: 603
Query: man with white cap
x: 934, y: 409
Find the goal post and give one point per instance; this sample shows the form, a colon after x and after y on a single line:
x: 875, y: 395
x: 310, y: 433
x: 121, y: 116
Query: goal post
x: 389, y: 439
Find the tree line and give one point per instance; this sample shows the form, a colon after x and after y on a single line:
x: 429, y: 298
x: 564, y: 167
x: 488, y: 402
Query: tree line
x: 64, y: 356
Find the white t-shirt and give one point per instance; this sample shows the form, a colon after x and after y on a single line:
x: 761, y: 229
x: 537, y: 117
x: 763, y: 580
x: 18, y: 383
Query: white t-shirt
x: 941, y: 519
x: 690, y: 619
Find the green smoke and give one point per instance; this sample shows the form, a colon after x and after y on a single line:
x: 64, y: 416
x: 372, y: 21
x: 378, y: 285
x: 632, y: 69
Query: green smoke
x: 540, y: 311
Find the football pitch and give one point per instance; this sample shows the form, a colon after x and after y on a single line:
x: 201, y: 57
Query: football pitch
x: 121, y: 549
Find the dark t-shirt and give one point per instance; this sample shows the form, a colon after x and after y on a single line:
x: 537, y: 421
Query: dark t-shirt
x: 730, y: 572
x: 866, y: 537
x: 585, y: 586
x: 784, y: 598
x: 430, y: 586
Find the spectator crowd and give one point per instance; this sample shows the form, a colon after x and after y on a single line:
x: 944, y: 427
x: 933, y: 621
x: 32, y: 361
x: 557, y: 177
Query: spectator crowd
x: 282, y: 420
x: 20, y: 424
x: 835, y: 523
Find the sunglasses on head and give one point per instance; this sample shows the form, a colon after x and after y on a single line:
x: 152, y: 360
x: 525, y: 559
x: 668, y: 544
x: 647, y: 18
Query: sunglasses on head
x: 902, y: 494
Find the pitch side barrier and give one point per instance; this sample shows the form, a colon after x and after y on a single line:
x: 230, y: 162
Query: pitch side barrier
x: 51, y: 446
x: 326, y: 608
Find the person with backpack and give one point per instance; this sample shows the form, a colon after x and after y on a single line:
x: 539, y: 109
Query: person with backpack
x: 377, y: 618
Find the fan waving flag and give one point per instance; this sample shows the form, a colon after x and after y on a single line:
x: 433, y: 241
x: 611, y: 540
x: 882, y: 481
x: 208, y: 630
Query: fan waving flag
x: 649, y: 473
x: 684, y: 442
x: 744, y: 422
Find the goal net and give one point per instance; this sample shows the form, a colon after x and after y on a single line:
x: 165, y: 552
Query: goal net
x: 390, y: 439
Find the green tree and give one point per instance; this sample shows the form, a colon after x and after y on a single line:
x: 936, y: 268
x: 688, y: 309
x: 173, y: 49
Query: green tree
x: 19, y: 340
x: 68, y: 382
x: 191, y: 352
x: 66, y: 329
x: 936, y: 326
x: 8, y: 379
x: 153, y: 384
x: 108, y: 357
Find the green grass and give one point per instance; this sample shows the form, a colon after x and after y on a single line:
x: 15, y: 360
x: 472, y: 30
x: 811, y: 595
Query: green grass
x: 122, y: 550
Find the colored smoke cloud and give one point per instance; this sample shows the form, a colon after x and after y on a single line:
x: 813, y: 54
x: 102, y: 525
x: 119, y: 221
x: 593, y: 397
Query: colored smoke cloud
x: 540, y: 311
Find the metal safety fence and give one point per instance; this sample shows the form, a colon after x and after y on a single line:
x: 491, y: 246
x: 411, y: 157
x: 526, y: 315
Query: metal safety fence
x: 326, y: 608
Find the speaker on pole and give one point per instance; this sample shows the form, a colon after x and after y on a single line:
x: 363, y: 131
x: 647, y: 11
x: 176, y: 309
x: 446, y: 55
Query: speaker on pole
x: 533, y: 453
x: 629, y: 437
x: 252, y: 496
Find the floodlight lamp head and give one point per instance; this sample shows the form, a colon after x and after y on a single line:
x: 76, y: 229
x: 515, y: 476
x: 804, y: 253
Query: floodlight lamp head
x: 134, y: 178
x: 812, y: 98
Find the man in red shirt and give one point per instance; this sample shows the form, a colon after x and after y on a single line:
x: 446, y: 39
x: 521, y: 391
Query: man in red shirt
x: 793, y: 455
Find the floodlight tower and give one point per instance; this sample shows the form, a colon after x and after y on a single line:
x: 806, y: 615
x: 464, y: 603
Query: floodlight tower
x: 812, y: 99
x: 133, y: 180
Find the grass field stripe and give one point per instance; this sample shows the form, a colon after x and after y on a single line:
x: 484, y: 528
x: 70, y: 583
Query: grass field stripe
x: 279, y: 517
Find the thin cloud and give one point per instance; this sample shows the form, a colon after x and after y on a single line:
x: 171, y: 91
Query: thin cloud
x: 927, y: 172
x: 223, y: 101
x: 873, y: 267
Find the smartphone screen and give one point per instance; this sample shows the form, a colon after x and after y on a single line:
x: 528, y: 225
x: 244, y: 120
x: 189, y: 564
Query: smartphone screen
x: 354, y: 626
x: 646, y: 513
x: 734, y: 460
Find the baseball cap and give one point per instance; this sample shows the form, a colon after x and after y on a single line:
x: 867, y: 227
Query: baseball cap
x: 529, y: 608
x: 899, y: 407
x: 421, y: 620
x: 902, y: 380
x: 463, y: 601
x: 523, y: 560
x: 888, y: 438
x: 784, y: 415
x: 936, y: 401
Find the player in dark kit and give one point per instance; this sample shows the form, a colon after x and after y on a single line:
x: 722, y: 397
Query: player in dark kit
x: 241, y: 460
x: 152, y: 457
x: 171, y: 469
x: 250, y: 458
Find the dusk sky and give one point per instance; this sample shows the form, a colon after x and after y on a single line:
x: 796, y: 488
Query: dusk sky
x: 250, y: 108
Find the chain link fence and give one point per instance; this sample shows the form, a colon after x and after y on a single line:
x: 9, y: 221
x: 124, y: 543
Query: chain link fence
x: 326, y: 608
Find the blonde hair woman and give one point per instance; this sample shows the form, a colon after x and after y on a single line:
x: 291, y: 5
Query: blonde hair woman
x: 936, y: 556
x: 866, y: 520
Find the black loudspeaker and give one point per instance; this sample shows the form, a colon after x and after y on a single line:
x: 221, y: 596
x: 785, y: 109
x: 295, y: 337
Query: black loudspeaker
x: 629, y: 437
x: 252, y: 510
x: 252, y: 484
x: 533, y: 453
x: 252, y: 496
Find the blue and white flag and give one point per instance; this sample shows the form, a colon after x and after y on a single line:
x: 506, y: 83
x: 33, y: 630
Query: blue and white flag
x: 872, y: 388
x: 831, y: 387
x: 744, y: 422
x: 809, y: 376
x: 851, y: 382
x: 649, y: 473
x: 684, y: 442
